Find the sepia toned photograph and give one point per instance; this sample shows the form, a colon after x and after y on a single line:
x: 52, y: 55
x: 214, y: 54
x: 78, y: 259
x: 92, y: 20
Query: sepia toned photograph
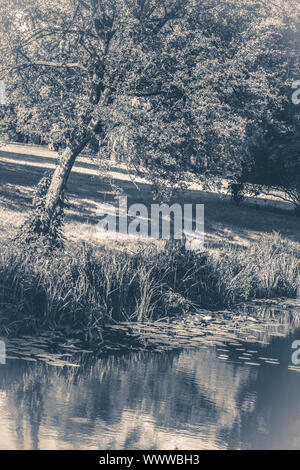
x: 149, y: 228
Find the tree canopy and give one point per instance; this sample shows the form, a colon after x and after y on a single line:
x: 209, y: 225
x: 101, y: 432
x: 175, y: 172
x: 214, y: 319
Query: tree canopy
x: 173, y: 85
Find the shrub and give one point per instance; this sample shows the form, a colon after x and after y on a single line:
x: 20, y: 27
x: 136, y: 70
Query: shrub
x: 273, y: 166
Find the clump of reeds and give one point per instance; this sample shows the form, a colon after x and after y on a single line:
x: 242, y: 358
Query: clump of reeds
x: 82, y: 288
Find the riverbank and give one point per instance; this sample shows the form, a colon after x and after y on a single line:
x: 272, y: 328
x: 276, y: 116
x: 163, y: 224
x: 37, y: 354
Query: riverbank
x: 82, y: 288
x: 92, y: 283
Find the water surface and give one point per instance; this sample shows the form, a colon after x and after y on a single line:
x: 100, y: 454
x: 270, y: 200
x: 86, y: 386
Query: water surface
x: 241, y: 393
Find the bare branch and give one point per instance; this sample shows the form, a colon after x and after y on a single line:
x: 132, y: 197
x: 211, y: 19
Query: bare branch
x: 41, y: 63
x: 170, y: 15
x: 57, y: 64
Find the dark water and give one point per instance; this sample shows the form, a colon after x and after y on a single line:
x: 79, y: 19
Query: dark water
x: 214, y: 397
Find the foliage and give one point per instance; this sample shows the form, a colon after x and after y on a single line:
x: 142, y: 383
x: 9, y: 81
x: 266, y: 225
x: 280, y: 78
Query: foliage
x: 169, y: 85
x: 275, y: 166
x: 39, y: 230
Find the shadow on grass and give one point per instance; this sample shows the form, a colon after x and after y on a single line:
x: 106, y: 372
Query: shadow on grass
x: 224, y: 221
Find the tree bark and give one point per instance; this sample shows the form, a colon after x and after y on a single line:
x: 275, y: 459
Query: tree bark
x: 61, y: 175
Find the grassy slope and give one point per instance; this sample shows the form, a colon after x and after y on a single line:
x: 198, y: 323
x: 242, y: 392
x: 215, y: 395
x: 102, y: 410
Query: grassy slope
x: 224, y: 221
x: 89, y: 284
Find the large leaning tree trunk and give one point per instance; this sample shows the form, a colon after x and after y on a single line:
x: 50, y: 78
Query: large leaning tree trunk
x: 61, y: 175
x: 66, y: 162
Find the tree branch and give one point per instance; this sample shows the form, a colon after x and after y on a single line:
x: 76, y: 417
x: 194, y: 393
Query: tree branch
x: 43, y: 63
x: 58, y: 64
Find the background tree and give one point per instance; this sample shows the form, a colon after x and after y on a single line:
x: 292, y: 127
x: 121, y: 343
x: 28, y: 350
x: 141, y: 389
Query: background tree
x: 272, y: 157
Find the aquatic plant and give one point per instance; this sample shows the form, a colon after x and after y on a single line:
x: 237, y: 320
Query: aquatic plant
x: 82, y: 288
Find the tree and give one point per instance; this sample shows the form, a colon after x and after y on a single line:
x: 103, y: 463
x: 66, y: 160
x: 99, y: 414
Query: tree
x: 274, y: 167
x: 175, y: 84
x: 71, y: 67
x: 272, y: 162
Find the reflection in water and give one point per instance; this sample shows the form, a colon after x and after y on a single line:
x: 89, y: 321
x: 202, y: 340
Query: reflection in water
x: 196, y: 399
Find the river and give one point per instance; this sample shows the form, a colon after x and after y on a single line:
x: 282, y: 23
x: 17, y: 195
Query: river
x: 237, y: 392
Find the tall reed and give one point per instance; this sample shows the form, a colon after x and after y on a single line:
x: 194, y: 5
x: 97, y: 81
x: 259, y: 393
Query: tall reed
x: 82, y: 288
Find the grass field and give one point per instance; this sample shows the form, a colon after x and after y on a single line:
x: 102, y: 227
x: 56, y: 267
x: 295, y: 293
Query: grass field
x: 21, y: 167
